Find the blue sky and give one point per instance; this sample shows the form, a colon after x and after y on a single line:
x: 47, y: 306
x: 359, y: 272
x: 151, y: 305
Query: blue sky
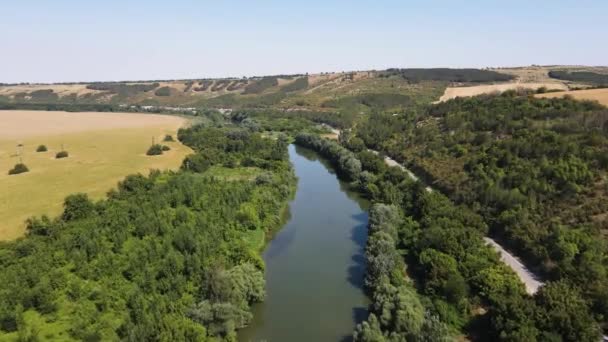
x: 69, y: 40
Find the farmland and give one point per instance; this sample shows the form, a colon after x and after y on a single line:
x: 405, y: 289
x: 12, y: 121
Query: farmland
x: 599, y: 95
x: 453, y: 92
x: 103, y: 148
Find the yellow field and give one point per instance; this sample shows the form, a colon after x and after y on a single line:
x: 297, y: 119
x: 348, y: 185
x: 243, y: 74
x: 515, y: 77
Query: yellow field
x: 454, y: 92
x: 599, y: 95
x: 103, y: 148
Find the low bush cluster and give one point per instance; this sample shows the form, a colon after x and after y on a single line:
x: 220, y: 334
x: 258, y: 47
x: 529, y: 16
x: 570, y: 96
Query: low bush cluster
x: 61, y: 154
x: 17, y: 169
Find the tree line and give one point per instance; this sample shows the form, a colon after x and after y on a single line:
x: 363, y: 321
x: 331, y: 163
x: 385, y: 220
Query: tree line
x: 446, y: 74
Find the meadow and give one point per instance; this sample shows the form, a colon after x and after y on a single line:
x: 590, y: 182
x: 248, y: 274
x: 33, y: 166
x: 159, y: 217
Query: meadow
x: 103, y: 148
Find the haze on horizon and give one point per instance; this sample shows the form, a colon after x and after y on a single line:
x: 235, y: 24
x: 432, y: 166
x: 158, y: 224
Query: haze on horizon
x: 68, y: 40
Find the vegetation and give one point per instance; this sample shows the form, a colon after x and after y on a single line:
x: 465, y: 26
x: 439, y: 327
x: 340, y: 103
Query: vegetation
x: 580, y: 76
x: 164, y: 257
x: 300, y: 83
x: 17, y: 169
x: 455, y: 272
x: 163, y: 91
x: 155, y: 150
x: 260, y: 85
x: 532, y: 169
x: 41, y: 148
x: 204, y: 85
x: 61, y: 154
x: 168, y: 138
x: 450, y: 75
x: 165, y: 148
x: 123, y: 89
x: 220, y: 84
x: 376, y: 101
x: 42, y: 95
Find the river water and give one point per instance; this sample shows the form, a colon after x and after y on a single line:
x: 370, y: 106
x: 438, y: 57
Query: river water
x: 315, y: 263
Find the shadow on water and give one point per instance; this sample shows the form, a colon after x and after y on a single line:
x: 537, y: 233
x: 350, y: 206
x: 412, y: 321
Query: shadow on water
x: 356, y: 271
x: 359, y: 315
x: 280, y: 243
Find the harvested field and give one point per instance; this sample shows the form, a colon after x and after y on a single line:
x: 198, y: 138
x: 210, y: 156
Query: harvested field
x: 60, y: 89
x: 103, y: 149
x: 454, y: 92
x: 599, y: 95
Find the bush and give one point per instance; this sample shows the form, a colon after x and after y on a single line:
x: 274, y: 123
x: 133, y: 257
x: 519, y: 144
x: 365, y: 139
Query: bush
x: 61, y: 154
x: 155, y: 150
x: 164, y: 91
x: 41, y: 148
x: 166, y: 148
x: 168, y: 137
x: 19, y: 168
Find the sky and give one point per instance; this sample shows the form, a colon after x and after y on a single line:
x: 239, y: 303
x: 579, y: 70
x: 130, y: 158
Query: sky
x: 111, y: 40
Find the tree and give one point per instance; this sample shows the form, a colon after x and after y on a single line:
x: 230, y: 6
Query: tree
x: 77, y: 206
x: 441, y: 275
x: 61, y: 154
x: 561, y: 309
x: 155, y: 150
x: 369, y: 331
x: 18, y: 168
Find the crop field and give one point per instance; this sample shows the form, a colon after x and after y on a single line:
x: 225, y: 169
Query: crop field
x: 103, y: 148
x: 454, y: 92
x: 599, y: 95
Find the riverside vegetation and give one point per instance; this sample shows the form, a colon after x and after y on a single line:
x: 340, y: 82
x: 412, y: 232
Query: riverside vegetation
x: 167, y: 257
x: 456, y: 274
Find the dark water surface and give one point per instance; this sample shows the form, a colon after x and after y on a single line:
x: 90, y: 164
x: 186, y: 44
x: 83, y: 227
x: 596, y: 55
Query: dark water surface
x: 315, y: 264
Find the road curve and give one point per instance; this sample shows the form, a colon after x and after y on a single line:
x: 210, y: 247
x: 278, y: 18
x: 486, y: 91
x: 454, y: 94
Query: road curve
x: 530, y: 280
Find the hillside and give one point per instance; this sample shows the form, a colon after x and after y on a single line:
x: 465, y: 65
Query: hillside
x: 327, y: 92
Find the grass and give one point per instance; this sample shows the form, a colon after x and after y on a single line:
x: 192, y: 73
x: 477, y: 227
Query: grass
x: 98, y: 160
x: 234, y: 174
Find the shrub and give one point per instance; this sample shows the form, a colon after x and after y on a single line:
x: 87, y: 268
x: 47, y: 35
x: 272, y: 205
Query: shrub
x: 61, y: 154
x: 164, y: 91
x: 168, y: 137
x: 19, y: 168
x: 41, y: 148
x: 166, y: 148
x: 155, y: 150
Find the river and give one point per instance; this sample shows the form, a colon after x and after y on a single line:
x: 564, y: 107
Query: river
x: 315, y: 264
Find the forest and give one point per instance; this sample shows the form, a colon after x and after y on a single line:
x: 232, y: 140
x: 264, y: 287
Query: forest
x: 430, y: 275
x: 581, y: 76
x: 532, y: 168
x: 446, y: 74
x: 171, y: 256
